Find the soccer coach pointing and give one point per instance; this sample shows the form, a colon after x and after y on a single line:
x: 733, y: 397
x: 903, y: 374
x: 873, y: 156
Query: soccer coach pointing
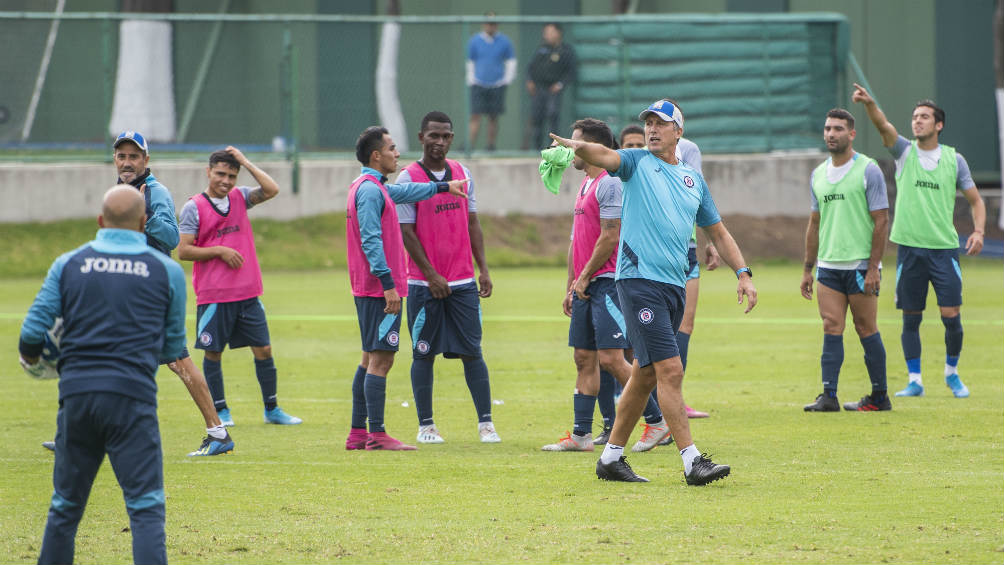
x: 123, y: 310
x: 662, y: 199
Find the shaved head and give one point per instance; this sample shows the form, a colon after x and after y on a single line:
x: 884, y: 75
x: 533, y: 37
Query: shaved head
x: 123, y: 207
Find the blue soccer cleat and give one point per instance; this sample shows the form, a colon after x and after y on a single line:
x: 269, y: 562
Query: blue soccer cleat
x: 912, y: 389
x: 225, y: 418
x: 277, y: 416
x: 958, y: 389
x: 214, y: 446
x: 50, y: 445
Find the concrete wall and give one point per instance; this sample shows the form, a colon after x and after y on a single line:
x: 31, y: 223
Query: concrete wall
x: 755, y: 185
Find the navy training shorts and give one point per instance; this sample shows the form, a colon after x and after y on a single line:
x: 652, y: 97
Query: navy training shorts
x: 597, y: 323
x: 378, y: 330
x: 237, y: 324
x: 451, y: 325
x: 916, y: 266
x: 652, y: 313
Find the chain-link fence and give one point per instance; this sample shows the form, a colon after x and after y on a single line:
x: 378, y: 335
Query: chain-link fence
x: 294, y: 83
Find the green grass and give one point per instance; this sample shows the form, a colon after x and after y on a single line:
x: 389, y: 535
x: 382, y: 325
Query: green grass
x: 923, y: 483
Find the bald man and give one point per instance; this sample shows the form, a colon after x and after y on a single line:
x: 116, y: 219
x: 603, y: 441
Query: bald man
x: 123, y: 309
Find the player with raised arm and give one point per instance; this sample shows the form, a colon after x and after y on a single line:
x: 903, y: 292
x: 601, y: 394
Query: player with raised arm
x: 847, y: 231
x: 216, y: 234
x: 663, y: 198
x: 927, y: 177
x: 378, y: 276
x: 444, y: 308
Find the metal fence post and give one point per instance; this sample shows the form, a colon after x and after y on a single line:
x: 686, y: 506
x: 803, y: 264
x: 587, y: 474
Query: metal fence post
x: 288, y: 94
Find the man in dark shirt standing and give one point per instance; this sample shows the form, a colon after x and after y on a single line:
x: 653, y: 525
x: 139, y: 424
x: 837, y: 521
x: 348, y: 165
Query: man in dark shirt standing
x: 551, y: 70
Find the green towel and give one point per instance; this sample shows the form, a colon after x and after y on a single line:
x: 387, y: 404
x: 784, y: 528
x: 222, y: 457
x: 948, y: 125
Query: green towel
x: 553, y: 164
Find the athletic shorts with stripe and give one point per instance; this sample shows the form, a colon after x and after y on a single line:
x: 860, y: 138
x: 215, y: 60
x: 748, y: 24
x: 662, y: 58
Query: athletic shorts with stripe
x: 237, y: 324
x: 378, y: 330
x: 850, y: 281
x: 693, y: 268
x: 597, y: 323
x: 916, y: 266
x: 652, y: 314
x: 451, y: 325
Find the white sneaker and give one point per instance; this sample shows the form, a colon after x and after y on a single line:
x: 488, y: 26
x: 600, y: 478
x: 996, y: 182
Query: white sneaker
x: 487, y: 432
x: 429, y: 434
x: 571, y: 442
x: 652, y: 435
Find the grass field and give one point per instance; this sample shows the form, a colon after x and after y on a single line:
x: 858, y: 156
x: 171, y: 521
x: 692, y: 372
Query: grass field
x: 923, y: 483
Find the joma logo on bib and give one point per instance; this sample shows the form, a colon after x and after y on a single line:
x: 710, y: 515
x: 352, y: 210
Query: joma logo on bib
x: 115, y: 265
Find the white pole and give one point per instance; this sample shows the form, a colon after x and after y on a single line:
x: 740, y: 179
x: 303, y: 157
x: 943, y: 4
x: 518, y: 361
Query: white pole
x: 43, y: 69
x: 388, y: 102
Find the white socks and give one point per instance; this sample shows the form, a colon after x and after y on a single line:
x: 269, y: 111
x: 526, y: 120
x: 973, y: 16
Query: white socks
x: 611, y: 453
x: 688, y: 454
x: 949, y: 370
x: 218, y: 432
x: 915, y: 377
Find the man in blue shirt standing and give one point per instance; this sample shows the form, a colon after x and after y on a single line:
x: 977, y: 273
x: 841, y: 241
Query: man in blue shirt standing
x: 123, y: 309
x: 491, y: 65
x: 663, y: 198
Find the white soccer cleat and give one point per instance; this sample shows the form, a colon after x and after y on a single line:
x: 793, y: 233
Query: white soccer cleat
x: 429, y: 434
x: 571, y: 442
x: 653, y: 434
x: 486, y: 430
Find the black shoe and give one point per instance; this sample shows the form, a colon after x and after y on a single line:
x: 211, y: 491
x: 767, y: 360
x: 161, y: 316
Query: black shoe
x: 868, y: 404
x: 704, y: 471
x: 824, y: 403
x: 604, y: 436
x: 50, y: 445
x: 618, y: 471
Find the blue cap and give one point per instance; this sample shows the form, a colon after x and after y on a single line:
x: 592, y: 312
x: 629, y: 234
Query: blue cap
x: 133, y: 136
x: 665, y: 110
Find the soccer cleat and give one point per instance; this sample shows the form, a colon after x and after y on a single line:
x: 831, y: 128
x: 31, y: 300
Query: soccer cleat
x: 912, y: 389
x: 357, y: 439
x: 867, y: 404
x: 958, y: 389
x: 380, y: 441
x: 618, y: 471
x: 277, y: 416
x: 666, y: 440
x: 50, y: 445
x: 214, y: 446
x: 225, y: 418
x: 824, y: 403
x: 653, y: 434
x: 704, y: 471
x: 571, y: 442
x: 487, y: 433
x: 691, y: 413
x: 429, y: 434
x: 604, y: 436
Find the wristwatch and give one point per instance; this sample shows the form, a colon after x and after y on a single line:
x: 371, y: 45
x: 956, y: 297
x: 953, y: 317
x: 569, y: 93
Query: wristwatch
x: 744, y: 270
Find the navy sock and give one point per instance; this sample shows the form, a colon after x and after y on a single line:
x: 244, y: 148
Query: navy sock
x: 476, y: 374
x: 953, y: 336
x: 653, y: 414
x: 911, y: 340
x: 264, y: 369
x: 605, y: 399
x: 584, y: 405
x: 376, y: 393
x: 359, y: 398
x: 683, y: 344
x: 421, y: 388
x: 830, y: 362
x: 875, y: 362
x: 213, y: 370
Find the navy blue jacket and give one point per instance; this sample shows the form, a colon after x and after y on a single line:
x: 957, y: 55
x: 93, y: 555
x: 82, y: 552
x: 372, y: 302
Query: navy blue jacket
x: 123, y: 309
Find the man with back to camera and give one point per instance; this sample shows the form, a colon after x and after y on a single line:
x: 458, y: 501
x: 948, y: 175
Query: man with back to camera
x: 490, y: 67
x: 123, y: 310
x: 378, y: 277
x: 927, y: 176
x: 663, y: 198
x: 847, y: 232
x: 216, y: 235
x: 444, y: 309
x: 131, y: 155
